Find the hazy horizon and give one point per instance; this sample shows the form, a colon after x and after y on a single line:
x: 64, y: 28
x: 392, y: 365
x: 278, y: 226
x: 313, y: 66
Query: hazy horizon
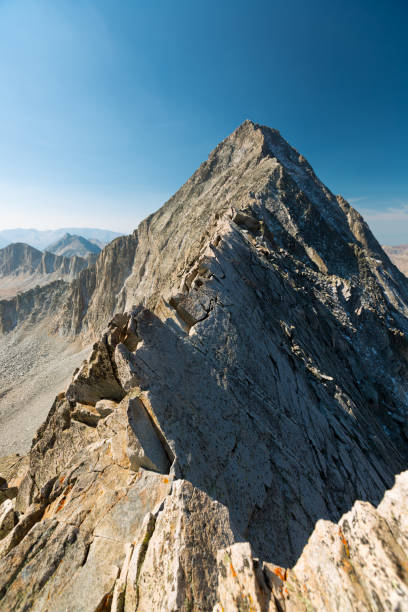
x: 105, y: 113
x: 389, y: 226
x: 54, y: 229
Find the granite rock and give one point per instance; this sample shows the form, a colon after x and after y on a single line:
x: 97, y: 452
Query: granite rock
x: 255, y: 374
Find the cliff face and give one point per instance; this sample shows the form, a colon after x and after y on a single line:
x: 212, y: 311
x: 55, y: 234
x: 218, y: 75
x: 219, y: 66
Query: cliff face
x: 23, y: 268
x: 32, y: 306
x: 255, y: 170
x: 252, y: 382
x: 358, y: 564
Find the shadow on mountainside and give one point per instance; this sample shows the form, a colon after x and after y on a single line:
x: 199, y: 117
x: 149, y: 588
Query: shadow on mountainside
x: 278, y: 460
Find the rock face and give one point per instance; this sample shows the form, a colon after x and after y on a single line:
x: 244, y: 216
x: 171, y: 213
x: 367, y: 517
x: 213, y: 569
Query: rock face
x: 35, y: 305
x: 71, y: 244
x: 252, y: 382
x: 22, y: 268
x: 359, y: 564
x: 36, y: 287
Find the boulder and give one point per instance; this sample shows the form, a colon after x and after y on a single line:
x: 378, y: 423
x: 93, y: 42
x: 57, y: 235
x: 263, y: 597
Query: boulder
x: 7, y: 518
x: 144, y: 444
x: 95, y: 380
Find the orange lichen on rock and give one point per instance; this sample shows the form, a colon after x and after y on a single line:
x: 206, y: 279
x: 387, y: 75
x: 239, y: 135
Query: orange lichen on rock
x: 281, y: 573
x: 105, y: 604
x: 344, y: 542
x: 348, y: 568
x: 63, y: 499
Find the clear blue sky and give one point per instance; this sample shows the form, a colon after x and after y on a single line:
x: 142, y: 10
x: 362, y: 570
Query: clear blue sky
x: 107, y: 107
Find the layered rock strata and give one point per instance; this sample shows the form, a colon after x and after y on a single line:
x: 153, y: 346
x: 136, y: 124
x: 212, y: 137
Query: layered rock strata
x: 252, y: 382
x: 359, y: 564
x: 23, y: 268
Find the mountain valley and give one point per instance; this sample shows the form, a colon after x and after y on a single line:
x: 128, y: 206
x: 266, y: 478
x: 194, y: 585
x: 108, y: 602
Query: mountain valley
x: 231, y: 406
x: 72, y: 244
x: 22, y: 268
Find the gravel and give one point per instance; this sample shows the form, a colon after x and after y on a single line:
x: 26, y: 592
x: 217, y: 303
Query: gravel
x: 34, y: 368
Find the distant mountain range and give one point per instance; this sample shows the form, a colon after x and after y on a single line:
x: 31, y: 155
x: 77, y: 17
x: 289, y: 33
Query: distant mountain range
x: 246, y: 385
x: 399, y: 256
x: 40, y: 239
x: 72, y: 244
x: 23, y: 267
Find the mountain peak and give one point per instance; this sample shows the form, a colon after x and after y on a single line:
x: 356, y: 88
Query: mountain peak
x: 41, y: 238
x: 70, y: 245
x: 22, y: 267
x: 249, y: 360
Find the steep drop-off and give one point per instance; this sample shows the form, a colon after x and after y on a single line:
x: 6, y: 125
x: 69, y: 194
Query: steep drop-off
x: 23, y: 268
x: 35, y: 361
x: 252, y: 382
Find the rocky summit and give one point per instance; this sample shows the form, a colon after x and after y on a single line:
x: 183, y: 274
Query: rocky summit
x: 237, y: 437
x: 71, y: 244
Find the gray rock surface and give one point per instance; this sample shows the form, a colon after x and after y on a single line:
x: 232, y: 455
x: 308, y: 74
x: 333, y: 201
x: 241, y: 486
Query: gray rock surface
x: 7, y: 518
x: 35, y: 365
x: 359, y: 564
x: 22, y: 268
x: 70, y: 245
x: 256, y: 369
x: 95, y: 379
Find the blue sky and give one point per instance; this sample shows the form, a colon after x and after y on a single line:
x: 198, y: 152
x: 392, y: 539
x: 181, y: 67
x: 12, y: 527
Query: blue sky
x: 107, y: 107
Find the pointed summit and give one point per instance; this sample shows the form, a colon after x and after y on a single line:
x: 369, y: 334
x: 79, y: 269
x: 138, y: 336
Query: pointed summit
x: 70, y: 245
x: 247, y: 377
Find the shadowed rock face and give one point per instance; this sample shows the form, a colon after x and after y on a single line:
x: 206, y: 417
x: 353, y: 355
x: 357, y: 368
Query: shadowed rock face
x: 252, y: 382
x: 358, y: 564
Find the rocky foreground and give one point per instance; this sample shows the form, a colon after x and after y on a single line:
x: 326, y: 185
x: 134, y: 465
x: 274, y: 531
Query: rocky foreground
x: 252, y: 382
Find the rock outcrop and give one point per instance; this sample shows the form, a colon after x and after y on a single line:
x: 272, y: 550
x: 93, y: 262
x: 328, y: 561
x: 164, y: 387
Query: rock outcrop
x: 23, y: 268
x: 359, y: 564
x: 252, y: 382
x: 71, y: 245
